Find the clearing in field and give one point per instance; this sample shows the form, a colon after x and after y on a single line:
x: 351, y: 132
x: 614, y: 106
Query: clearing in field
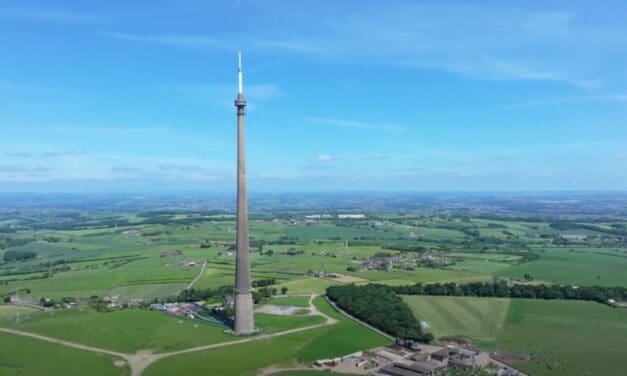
x: 474, y: 318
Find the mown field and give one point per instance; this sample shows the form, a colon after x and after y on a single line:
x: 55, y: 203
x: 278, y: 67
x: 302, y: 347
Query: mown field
x: 558, y: 337
x: 476, y: 318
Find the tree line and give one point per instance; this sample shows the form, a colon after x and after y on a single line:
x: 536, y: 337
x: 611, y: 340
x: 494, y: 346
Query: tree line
x: 381, y: 307
x: 502, y: 289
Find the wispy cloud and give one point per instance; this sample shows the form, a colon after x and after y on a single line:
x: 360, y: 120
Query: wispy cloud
x: 594, y: 98
x: 496, y: 42
x: 344, y: 123
x: 176, y: 40
x: 49, y: 15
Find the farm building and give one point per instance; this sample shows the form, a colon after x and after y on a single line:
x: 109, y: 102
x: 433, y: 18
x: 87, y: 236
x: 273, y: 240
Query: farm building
x: 418, y: 368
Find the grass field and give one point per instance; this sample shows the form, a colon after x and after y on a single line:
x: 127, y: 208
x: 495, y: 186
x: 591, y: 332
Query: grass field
x: 241, y: 359
x: 12, y: 310
x: 296, y: 301
x: 342, y: 338
x: 133, y: 330
x: 126, y: 330
x: 306, y: 285
x: 345, y: 337
x: 476, y: 318
x: 577, y: 338
x: 559, y: 265
x: 21, y: 356
x: 146, y: 292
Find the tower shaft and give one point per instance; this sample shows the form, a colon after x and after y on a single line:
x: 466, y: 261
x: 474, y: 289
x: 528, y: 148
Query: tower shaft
x: 244, y: 322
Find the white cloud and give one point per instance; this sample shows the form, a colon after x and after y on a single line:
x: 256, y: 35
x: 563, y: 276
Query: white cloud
x: 344, y: 123
x: 325, y: 158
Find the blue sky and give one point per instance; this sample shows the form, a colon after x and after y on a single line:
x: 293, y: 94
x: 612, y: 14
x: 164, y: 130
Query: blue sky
x: 352, y: 95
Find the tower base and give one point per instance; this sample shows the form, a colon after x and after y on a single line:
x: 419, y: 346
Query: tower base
x: 244, y: 322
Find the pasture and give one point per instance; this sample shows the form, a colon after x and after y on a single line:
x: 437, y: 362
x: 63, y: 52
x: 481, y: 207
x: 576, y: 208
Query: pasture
x: 579, y: 267
x: 565, y: 337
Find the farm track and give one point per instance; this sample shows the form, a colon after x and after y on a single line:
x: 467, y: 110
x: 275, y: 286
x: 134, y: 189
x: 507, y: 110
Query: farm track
x: 202, y: 272
x: 143, y: 359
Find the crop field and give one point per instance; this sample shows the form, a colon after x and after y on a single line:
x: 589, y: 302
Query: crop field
x: 477, y: 318
x: 21, y: 356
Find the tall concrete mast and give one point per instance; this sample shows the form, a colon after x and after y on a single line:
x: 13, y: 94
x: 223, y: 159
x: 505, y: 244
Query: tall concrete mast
x: 244, y: 322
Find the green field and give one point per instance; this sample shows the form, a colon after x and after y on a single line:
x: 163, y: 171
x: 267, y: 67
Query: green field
x: 133, y: 330
x: 146, y: 292
x: 476, y: 318
x: 577, y: 338
x: 127, y: 331
x: 12, y: 310
x: 343, y: 338
x: 85, y: 253
x: 587, y: 267
x: 21, y: 356
x: 237, y: 359
x: 296, y: 301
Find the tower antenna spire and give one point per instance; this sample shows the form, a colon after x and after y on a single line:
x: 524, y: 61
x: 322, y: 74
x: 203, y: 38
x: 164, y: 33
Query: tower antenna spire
x: 240, y: 78
x: 244, y: 322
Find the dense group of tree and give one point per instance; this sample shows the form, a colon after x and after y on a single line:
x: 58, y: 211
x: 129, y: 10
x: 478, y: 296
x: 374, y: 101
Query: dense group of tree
x: 194, y: 295
x: 9, y: 242
x: 14, y: 255
x: 381, y: 307
x: 502, y: 289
